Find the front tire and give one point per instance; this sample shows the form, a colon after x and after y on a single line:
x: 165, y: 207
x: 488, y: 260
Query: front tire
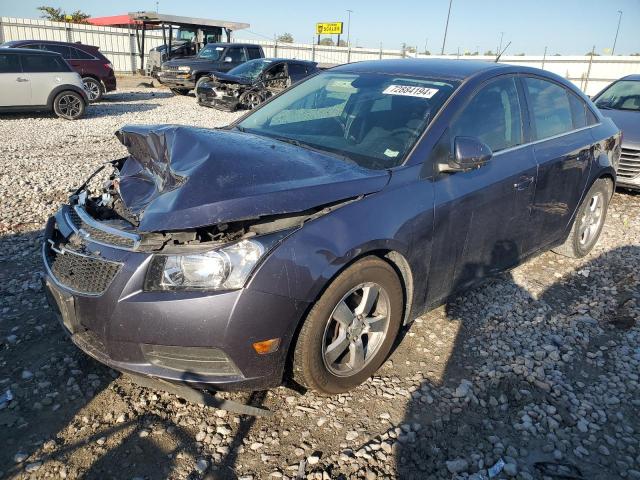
x: 251, y: 100
x: 93, y: 88
x: 69, y: 105
x: 589, y: 221
x: 350, y: 330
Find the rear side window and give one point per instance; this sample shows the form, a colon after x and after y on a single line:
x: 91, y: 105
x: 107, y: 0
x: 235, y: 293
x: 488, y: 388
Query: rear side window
x: 9, y: 63
x: 43, y: 63
x: 61, y: 49
x: 551, y: 108
x: 578, y: 111
x: 77, y: 54
x: 237, y: 54
x: 32, y: 46
x: 297, y: 70
x: 254, y: 52
x: 493, y: 116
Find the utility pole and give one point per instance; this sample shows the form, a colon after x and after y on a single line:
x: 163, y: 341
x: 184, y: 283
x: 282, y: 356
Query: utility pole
x: 349, y: 27
x: 617, y: 30
x: 446, y: 27
x: 500, y: 44
x: 426, y: 42
x: 157, y: 7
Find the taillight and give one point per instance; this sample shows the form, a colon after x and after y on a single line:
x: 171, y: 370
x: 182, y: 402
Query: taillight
x: 109, y: 66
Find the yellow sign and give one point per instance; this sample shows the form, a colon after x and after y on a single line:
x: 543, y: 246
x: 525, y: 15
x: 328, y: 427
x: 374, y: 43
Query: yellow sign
x: 329, y: 28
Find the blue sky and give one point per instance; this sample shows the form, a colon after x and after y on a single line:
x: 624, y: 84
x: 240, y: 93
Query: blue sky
x: 565, y: 26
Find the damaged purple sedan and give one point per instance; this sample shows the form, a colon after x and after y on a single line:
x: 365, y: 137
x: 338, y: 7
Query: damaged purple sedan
x: 296, y: 242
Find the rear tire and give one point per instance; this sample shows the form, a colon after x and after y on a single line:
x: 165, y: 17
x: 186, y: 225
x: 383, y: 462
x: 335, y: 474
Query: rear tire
x: 180, y: 91
x: 69, y: 105
x: 93, y: 88
x: 589, y: 221
x: 350, y: 330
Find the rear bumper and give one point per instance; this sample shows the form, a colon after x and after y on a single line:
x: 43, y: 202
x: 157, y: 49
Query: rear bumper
x: 110, y: 83
x: 120, y: 326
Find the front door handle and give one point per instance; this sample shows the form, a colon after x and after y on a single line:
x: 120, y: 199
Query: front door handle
x: 523, y: 183
x: 20, y: 79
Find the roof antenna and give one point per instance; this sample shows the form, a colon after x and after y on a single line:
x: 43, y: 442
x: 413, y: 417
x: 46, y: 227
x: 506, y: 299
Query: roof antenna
x: 503, y: 50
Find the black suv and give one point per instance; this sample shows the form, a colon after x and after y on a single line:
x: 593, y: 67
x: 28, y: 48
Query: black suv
x: 181, y: 74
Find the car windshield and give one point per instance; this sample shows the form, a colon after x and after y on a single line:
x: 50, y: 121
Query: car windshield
x: 251, y: 69
x: 622, y: 95
x: 211, y: 52
x: 372, y: 119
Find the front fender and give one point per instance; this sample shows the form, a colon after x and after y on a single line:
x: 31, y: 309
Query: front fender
x: 395, y: 219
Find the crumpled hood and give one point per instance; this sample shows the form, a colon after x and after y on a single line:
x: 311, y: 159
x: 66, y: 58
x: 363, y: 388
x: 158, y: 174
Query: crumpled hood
x: 180, y: 177
x: 628, y: 122
x: 226, y: 78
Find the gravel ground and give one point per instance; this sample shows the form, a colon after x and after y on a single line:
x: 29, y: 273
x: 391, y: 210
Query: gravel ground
x: 538, y: 365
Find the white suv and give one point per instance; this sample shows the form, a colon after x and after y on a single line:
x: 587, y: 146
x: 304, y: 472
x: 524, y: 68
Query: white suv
x: 32, y: 80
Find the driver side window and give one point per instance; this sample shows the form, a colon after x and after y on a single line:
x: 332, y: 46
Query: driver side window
x: 493, y: 116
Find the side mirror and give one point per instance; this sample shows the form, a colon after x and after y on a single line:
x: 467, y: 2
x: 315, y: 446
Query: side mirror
x: 468, y: 153
x: 228, y: 59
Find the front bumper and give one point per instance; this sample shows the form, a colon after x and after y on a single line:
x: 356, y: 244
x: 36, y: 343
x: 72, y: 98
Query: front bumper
x: 176, y: 80
x: 119, y: 325
x: 210, y: 97
x: 628, y: 172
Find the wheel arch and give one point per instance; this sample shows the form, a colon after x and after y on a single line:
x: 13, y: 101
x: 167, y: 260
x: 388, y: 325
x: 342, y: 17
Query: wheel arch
x: 394, y: 258
x: 93, y: 76
x: 63, y: 88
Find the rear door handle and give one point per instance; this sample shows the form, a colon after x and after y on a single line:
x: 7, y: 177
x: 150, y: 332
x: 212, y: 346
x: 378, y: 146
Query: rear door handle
x: 20, y: 79
x: 523, y: 183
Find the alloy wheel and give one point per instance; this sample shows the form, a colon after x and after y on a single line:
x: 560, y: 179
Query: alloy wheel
x: 591, y: 219
x: 356, y: 329
x: 69, y: 105
x: 92, y: 88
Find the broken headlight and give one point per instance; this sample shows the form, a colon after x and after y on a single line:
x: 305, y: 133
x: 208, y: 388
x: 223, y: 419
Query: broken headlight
x: 224, y: 268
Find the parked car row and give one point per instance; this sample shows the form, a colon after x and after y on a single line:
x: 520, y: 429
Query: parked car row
x: 232, y: 76
x: 62, y: 77
x: 343, y: 208
x: 620, y: 102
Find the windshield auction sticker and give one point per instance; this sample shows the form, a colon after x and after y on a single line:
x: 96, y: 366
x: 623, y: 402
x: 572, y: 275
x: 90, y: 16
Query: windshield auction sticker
x: 410, y: 91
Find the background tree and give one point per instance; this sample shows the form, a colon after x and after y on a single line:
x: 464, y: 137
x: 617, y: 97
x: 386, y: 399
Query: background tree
x: 327, y: 41
x: 57, y: 15
x: 342, y: 43
x: 285, y: 38
x: 489, y: 53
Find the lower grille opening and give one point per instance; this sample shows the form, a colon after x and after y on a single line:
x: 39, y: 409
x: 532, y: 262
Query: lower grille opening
x: 194, y: 360
x: 80, y: 273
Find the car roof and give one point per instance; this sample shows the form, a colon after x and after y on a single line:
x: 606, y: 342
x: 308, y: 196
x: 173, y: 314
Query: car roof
x: 53, y: 42
x: 423, y: 67
x: 232, y: 44
x: 288, y: 60
x: 635, y: 76
x: 30, y: 51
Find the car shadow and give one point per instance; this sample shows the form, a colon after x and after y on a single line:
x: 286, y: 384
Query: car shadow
x: 495, y: 398
x: 133, y: 96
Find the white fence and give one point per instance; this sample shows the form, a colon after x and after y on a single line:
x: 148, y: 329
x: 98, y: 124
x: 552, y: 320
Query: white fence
x: 117, y: 44
x: 121, y: 47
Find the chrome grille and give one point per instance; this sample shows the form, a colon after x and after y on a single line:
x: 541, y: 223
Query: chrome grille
x: 98, y: 235
x: 79, y: 272
x: 99, y: 232
x: 629, y: 166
